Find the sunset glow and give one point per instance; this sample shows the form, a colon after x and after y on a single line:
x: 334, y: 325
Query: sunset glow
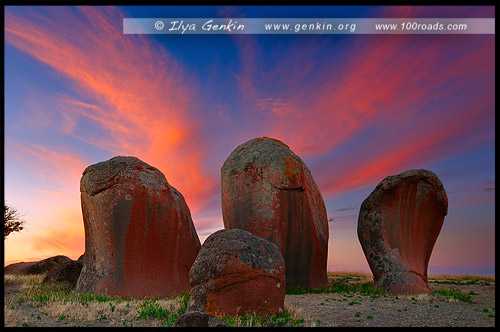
x: 355, y: 108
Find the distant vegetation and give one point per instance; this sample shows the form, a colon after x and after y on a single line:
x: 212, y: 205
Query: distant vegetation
x: 366, y: 289
x: 343, y: 284
x: 12, y: 221
x: 462, y: 280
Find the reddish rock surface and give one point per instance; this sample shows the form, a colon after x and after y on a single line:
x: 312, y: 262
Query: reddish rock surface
x: 398, y: 225
x: 43, y: 266
x: 140, y: 240
x: 268, y: 191
x: 67, y: 273
x: 237, y: 273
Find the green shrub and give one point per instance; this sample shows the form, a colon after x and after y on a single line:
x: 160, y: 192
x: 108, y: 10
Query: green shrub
x: 89, y: 297
x: 455, y: 294
x: 42, y: 298
x: 366, y: 289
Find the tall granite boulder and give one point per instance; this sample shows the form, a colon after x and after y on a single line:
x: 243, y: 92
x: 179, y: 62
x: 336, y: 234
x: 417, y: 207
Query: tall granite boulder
x: 398, y: 225
x: 268, y: 190
x: 237, y: 273
x: 140, y: 240
x: 43, y: 266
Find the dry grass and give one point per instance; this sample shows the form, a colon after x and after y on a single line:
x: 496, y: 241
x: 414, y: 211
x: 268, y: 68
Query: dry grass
x: 299, y: 313
x: 24, y: 284
x: 23, y: 280
x: 57, y: 304
x: 462, y: 280
x: 286, y: 318
x: 117, y: 314
x: 60, y: 303
x: 436, y: 277
x: 13, y: 315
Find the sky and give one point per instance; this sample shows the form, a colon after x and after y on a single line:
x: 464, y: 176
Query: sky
x: 355, y: 108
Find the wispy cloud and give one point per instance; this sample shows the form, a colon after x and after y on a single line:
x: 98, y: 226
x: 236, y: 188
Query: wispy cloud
x: 62, y: 169
x: 394, y: 108
x: 140, y: 99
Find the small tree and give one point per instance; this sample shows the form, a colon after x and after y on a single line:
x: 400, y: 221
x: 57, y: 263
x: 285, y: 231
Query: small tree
x: 12, y: 221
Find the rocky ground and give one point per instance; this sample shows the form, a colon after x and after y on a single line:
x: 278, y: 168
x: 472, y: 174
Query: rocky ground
x: 350, y: 301
x: 466, y: 304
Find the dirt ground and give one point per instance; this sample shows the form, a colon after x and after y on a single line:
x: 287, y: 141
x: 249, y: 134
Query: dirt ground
x: 322, y: 309
x: 428, y: 310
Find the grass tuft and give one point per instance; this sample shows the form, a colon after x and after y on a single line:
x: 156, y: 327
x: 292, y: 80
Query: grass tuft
x: 283, y: 319
x: 61, y: 293
x: 340, y: 287
x: 151, y: 309
x: 183, y: 301
x: 490, y: 312
x: 453, y: 294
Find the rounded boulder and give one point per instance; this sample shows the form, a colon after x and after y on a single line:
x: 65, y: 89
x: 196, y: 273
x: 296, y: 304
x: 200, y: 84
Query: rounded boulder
x: 67, y: 273
x: 237, y: 273
x: 46, y: 265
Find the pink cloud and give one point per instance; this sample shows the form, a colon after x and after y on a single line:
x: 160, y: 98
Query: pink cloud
x: 140, y: 101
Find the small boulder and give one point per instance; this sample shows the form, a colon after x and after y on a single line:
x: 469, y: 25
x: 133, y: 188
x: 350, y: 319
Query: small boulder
x: 67, y: 273
x: 82, y: 256
x: 269, y: 191
x: 236, y: 273
x: 198, y: 319
x: 398, y: 225
x: 140, y: 240
x: 38, y: 267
